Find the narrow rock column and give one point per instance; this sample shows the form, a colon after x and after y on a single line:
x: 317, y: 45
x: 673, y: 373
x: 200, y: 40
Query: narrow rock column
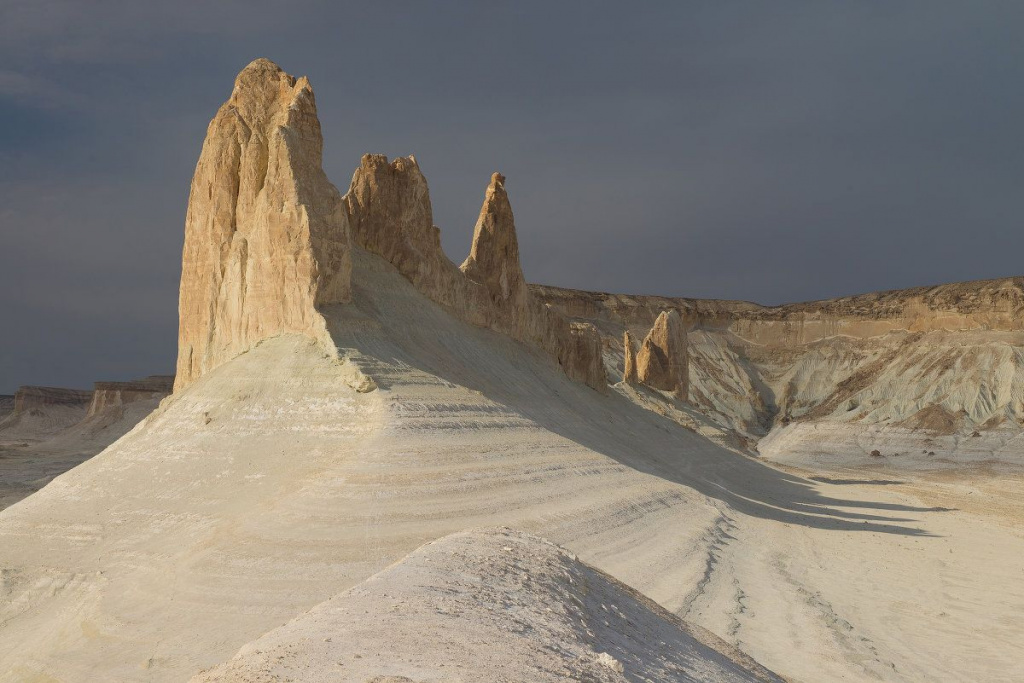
x: 663, y: 361
x: 493, y: 259
x: 629, y: 375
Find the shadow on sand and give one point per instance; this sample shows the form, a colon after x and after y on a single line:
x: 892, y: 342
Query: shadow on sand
x: 426, y: 338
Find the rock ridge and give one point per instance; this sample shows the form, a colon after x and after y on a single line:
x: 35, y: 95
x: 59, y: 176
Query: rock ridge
x: 391, y: 215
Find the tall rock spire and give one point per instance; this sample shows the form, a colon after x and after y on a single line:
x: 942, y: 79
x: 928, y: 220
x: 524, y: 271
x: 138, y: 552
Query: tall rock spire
x: 663, y: 361
x: 493, y: 259
x: 629, y: 374
x: 266, y: 234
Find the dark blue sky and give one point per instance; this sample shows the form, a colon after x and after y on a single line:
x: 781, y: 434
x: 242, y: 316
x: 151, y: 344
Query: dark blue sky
x: 771, y: 151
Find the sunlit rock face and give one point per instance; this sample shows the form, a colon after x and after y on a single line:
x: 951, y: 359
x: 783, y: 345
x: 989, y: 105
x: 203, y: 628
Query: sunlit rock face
x: 390, y: 214
x: 662, y: 360
x: 266, y: 234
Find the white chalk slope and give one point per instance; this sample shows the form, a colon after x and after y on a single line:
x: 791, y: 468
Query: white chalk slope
x: 493, y: 605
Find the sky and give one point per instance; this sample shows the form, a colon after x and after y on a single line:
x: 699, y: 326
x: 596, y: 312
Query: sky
x: 768, y: 151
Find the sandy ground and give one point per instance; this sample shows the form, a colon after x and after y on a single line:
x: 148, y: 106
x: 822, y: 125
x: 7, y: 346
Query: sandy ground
x: 490, y: 605
x: 271, y: 485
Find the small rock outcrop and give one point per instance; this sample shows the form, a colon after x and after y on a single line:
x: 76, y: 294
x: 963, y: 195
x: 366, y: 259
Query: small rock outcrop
x: 629, y: 371
x: 266, y: 234
x: 663, y: 361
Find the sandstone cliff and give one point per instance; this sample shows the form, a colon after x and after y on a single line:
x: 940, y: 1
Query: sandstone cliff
x: 266, y: 234
x: 947, y: 359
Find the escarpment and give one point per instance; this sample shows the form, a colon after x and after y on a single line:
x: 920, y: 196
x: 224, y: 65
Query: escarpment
x: 107, y: 395
x: 29, y: 398
x: 266, y: 234
x: 947, y: 359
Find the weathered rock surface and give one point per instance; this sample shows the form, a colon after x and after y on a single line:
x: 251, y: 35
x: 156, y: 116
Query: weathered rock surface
x: 945, y: 360
x: 662, y: 362
x: 6, y: 405
x: 266, y: 234
x: 493, y: 259
x: 390, y: 214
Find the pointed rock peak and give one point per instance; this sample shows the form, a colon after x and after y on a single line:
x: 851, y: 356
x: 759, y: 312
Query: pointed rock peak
x: 266, y: 236
x: 390, y: 214
x: 629, y: 374
x: 494, y: 257
x: 261, y: 69
x: 264, y: 92
x: 663, y: 361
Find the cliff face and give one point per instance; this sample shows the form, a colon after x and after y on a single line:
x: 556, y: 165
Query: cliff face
x: 266, y: 234
x: 946, y: 359
x: 390, y: 213
x: 107, y: 395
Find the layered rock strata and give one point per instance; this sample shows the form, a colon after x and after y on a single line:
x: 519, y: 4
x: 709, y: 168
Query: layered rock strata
x: 108, y: 395
x: 266, y: 234
x: 29, y: 398
x: 946, y: 360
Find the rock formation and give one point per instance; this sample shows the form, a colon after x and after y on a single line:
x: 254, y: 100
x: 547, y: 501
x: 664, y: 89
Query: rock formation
x: 29, y: 398
x: 390, y: 214
x: 663, y: 361
x: 941, y: 360
x: 40, y: 412
x: 268, y: 239
x: 108, y: 395
x: 266, y: 234
x: 493, y: 260
x: 629, y: 371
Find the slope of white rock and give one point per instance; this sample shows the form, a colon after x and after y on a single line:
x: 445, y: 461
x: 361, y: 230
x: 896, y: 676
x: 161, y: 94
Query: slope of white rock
x: 491, y: 605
